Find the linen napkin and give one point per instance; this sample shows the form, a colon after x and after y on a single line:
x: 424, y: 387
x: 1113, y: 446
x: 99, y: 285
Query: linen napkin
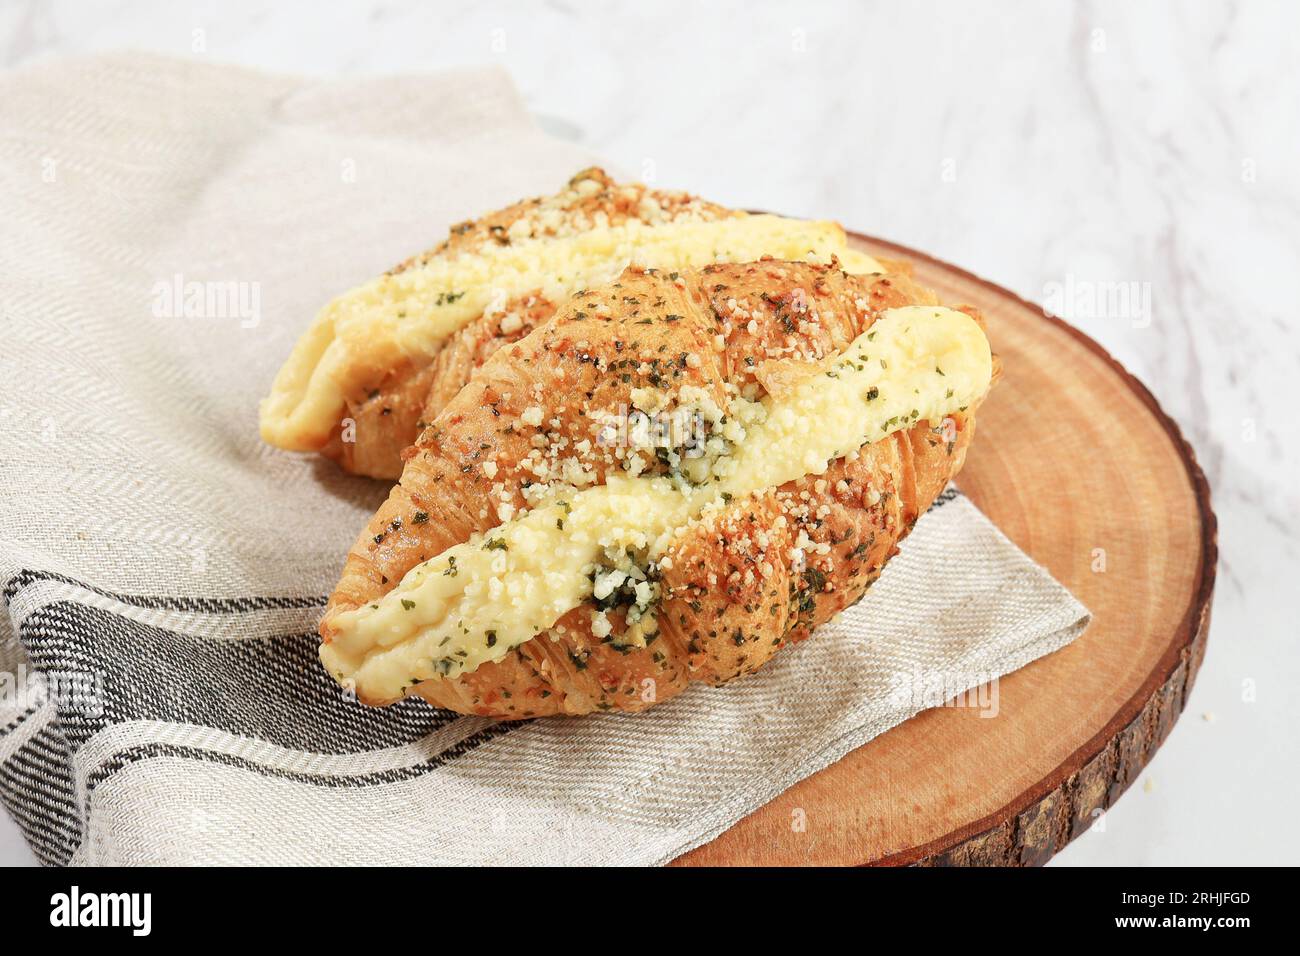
x: 169, y: 229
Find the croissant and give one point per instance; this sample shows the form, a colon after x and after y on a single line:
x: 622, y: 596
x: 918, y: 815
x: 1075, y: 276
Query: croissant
x: 382, y: 360
x: 668, y: 481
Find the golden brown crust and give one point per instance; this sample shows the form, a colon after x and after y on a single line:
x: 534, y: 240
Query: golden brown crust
x: 730, y: 597
x: 597, y: 197
x: 382, y: 421
x: 382, y: 424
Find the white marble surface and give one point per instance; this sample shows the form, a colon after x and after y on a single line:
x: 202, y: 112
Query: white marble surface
x: 1036, y: 144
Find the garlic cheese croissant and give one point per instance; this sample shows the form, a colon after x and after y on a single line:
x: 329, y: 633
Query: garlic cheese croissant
x: 669, y: 480
x: 382, y: 360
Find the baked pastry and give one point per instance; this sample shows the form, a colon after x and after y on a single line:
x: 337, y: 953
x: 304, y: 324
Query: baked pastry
x: 383, y: 359
x: 668, y: 481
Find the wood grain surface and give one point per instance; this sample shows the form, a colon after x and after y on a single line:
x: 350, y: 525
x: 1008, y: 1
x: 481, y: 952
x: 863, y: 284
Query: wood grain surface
x: 1076, y: 463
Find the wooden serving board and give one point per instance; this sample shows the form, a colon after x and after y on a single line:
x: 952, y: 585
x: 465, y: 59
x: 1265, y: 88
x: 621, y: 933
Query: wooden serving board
x: 1073, y: 454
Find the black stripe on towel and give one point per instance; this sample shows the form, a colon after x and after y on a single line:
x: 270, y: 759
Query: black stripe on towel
x: 206, y: 605
x: 951, y: 493
x: 36, y: 789
x: 132, y: 755
x: 272, y: 689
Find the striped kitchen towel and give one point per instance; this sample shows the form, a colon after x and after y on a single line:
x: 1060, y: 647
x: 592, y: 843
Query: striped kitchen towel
x: 163, y: 570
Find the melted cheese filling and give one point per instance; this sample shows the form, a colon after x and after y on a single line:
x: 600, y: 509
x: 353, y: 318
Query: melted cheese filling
x: 408, y: 315
x: 478, y: 600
